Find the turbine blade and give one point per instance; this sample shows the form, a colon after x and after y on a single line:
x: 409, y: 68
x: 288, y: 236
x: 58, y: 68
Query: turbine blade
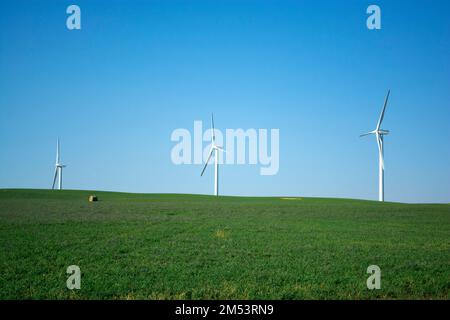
x: 365, y: 134
x: 383, y: 110
x: 57, y: 150
x: 54, y: 179
x: 212, y: 127
x: 207, y: 161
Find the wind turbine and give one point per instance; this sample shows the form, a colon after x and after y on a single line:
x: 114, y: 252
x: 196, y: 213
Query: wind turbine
x: 379, y: 134
x: 214, y: 149
x: 58, y: 168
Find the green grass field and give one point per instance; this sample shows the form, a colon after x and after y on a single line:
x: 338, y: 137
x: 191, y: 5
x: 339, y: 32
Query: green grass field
x: 149, y: 246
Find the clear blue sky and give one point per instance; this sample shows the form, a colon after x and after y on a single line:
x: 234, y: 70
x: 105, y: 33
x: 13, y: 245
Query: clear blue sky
x: 116, y: 89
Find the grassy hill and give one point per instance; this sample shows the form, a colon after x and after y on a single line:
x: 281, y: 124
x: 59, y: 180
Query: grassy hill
x: 151, y: 246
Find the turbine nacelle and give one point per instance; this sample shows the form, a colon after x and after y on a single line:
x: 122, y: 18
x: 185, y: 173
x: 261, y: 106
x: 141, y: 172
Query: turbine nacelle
x: 380, y: 132
x: 218, y: 148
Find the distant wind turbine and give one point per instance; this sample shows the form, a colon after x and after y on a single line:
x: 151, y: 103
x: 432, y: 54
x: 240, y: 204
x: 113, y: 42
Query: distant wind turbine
x: 379, y: 134
x: 58, y: 168
x: 214, y: 149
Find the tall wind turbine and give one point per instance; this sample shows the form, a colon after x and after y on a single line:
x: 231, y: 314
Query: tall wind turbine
x: 214, y: 149
x: 58, y: 168
x: 379, y: 134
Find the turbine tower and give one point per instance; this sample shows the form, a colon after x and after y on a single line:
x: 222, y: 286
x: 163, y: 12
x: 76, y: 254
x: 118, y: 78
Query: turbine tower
x: 214, y: 149
x: 379, y: 134
x: 58, y: 168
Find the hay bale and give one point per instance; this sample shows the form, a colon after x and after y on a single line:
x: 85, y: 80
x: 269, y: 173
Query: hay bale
x: 93, y: 198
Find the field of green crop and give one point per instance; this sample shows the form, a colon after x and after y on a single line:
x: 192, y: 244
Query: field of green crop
x: 149, y: 246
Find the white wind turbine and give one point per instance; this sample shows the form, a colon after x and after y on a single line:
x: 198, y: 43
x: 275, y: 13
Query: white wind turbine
x: 58, y: 168
x: 214, y: 149
x: 379, y: 134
